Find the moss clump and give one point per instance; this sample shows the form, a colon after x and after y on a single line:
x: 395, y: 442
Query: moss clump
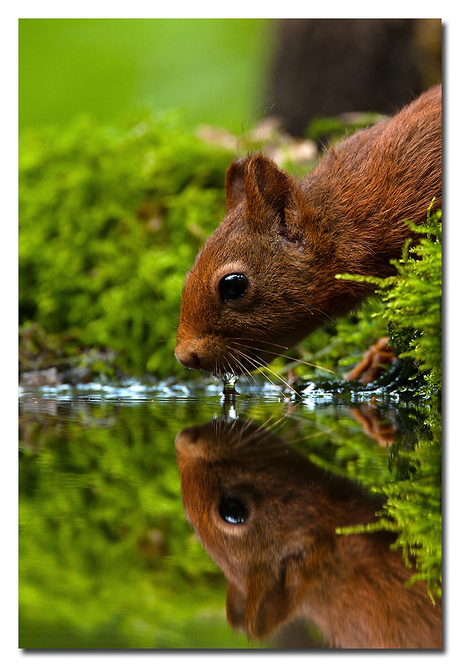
x: 110, y: 221
x: 413, y: 303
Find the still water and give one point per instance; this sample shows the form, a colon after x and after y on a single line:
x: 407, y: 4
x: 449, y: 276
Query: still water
x: 163, y: 518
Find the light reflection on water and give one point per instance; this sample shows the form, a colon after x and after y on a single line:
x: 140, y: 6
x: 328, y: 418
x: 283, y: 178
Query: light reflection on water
x: 107, y: 557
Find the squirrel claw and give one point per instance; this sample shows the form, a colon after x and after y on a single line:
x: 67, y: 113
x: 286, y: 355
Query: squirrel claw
x: 370, y: 366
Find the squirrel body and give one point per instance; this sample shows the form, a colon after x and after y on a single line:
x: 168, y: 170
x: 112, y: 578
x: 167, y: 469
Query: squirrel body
x: 265, y: 278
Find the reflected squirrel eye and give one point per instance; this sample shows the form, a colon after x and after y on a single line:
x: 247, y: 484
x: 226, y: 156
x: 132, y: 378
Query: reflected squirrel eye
x: 233, y: 510
x: 233, y: 286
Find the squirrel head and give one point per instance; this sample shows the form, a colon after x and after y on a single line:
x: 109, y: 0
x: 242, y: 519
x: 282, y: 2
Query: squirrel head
x: 253, y: 290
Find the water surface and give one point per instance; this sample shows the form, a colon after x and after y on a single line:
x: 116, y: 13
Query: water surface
x: 114, y: 482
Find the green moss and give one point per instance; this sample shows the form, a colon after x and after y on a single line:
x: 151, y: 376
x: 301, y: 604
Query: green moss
x: 110, y: 221
x: 413, y: 302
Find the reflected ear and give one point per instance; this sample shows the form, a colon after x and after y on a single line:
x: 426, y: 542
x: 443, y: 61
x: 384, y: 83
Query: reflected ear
x: 234, y: 183
x: 235, y: 607
x: 268, y: 189
x: 272, y: 595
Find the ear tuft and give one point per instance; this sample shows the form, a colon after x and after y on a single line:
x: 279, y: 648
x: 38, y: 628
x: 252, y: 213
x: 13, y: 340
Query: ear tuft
x: 235, y: 190
x: 268, y: 188
x: 273, y: 184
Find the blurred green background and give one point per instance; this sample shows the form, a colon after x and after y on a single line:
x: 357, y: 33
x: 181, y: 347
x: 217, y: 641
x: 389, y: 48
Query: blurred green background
x: 211, y: 68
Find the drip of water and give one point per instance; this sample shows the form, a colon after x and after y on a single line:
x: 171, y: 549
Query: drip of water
x: 229, y: 384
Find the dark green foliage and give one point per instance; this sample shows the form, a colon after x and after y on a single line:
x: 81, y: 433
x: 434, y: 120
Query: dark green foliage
x: 63, y: 354
x: 110, y: 221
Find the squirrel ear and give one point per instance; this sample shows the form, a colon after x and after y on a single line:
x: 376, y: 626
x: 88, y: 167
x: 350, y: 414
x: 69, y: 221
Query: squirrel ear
x: 234, y: 183
x: 268, y: 188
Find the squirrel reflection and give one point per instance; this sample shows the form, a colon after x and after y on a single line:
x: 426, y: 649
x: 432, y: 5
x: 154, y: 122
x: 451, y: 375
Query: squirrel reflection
x: 268, y: 518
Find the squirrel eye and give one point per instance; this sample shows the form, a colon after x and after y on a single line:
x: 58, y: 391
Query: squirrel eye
x: 233, y: 510
x: 233, y: 286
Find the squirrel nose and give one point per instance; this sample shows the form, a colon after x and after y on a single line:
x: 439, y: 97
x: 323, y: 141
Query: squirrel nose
x: 187, y: 358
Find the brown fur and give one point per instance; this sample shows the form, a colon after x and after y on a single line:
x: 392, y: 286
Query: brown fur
x: 290, y: 238
x: 286, y: 560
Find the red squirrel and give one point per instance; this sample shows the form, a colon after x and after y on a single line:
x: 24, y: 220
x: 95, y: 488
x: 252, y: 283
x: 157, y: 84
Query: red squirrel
x: 265, y: 279
x: 268, y: 517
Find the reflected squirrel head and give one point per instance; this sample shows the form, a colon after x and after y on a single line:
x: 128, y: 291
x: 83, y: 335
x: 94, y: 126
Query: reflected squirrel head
x: 265, y: 514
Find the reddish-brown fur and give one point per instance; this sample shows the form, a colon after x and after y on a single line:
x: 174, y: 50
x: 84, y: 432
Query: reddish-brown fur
x: 287, y: 560
x: 290, y: 238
